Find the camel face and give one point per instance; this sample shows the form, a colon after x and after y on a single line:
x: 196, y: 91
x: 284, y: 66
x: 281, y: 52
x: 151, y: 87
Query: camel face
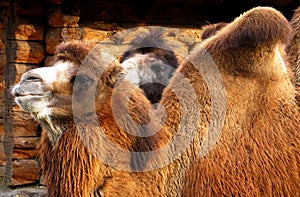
x: 150, y: 72
x: 46, y: 91
x: 147, y: 68
x: 150, y: 63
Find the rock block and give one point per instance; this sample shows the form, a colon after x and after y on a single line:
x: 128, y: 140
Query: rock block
x: 28, y: 30
x: 54, y: 36
x: 24, y: 172
x: 24, y: 125
x: 21, y: 69
x: 93, y: 35
x: 104, y: 26
x: 58, y: 19
x: 27, y: 52
x: 24, y: 154
x: 2, y: 41
x: 27, y: 143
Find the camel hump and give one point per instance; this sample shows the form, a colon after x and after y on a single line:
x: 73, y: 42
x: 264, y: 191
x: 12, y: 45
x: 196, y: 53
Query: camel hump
x: 256, y: 27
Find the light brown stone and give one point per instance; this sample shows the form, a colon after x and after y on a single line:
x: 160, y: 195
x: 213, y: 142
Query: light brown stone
x: 26, y: 142
x: 55, y: 36
x: 104, y: 26
x: 24, y: 125
x: 2, y: 41
x: 69, y: 34
x: 24, y: 154
x: 21, y: 69
x: 28, y: 52
x: 93, y: 35
x: 24, y: 172
x: 58, y: 19
x: 28, y: 30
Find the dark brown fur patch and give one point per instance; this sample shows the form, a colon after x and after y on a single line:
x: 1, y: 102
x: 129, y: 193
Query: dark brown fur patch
x: 74, y: 51
x: 211, y: 29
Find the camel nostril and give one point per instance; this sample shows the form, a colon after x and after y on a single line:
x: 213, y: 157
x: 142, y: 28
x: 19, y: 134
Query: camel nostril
x: 14, y: 91
x: 16, y: 94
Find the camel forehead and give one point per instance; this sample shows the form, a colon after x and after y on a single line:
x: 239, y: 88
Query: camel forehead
x: 60, y: 71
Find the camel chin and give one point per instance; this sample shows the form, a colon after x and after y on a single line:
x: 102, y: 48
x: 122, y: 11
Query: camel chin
x: 33, y: 103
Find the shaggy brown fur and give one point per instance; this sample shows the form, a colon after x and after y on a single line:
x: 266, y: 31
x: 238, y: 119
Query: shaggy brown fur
x: 70, y: 152
x: 256, y: 153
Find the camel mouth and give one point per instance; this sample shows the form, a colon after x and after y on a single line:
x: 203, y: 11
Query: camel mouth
x: 47, y: 94
x: 33, y: 102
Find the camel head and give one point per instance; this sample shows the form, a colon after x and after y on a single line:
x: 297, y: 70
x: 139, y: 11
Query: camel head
x: 51, y: 94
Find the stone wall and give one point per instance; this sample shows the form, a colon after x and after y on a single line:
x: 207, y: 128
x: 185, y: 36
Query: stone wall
x: 31, y: 29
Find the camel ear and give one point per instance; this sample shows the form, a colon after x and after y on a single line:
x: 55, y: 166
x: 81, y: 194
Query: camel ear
x: 113, y: 75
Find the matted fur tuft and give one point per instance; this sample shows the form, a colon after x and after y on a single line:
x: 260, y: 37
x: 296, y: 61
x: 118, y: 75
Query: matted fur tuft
x: 73, y: 51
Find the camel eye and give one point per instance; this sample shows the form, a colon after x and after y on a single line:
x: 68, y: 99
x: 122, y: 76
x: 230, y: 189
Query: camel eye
x: 33, y: 79
x: 81, y: 82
